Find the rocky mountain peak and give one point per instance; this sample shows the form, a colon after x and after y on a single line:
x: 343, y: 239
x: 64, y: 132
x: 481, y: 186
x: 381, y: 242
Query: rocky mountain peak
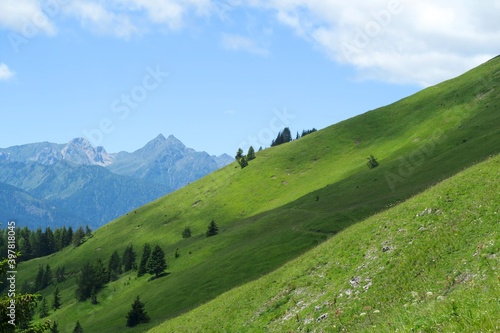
x: 81, y: 151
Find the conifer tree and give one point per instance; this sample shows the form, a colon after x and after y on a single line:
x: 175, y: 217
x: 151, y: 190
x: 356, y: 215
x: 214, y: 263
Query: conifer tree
x: 92, y: 276
x: 137, y: 314
x: 128, y: 259
x: 78, y: 236
x: 243, y: 162
x: 47, y: 277
x: 212, y: 229
x: 88, y: 231
x: 239, y: 154
x: 114, y: 266
x: 60, y: 274
x: 78, y: 328
x: 39, y: 279
x: 69, y: 237
x: 44, y: 309
x: 146, y: 252
x: 250, y: 154
x: 156, y: 263
x: 56, y: 304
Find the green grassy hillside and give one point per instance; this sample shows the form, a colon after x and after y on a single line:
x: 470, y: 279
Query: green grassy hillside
x: 430, y: 264
x: 288, y: 200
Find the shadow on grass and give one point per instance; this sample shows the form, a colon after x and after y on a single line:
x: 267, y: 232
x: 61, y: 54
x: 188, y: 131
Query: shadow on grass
x: 159, y: 276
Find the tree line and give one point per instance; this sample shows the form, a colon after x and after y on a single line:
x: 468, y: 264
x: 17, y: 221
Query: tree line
x: 37, y: 243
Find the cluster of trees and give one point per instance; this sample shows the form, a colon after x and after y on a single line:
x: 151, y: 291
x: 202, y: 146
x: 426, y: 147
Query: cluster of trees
x: 44, y: 278
x: 35, y: 244
x: 286, y: 136
x: 152, y: 262
x: 244, y: 159
x: 95, y: 275
x: 306, y: 132
x: 56, y: 304
x: 283, y: 137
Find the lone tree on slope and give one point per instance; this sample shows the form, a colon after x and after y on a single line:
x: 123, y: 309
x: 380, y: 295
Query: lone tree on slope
x: 212, y: 229
x: 156, y: 263
x: 137, y: 314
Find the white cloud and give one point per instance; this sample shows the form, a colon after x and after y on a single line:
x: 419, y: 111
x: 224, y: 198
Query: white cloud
x: 96, y: 17
x: 168, y: 12
x: 25, y: 17
x: 5, y: 72
x: 239, y: 43
x: 401, y: 41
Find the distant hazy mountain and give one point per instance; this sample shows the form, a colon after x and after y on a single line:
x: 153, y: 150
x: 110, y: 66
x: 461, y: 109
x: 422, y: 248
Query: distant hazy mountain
x: 18, y: 205
x: 78, y: 151
x: 42, y: 182
x: 167, y: 161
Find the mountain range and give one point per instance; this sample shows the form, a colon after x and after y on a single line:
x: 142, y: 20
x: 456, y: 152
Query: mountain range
x: 45, y: 183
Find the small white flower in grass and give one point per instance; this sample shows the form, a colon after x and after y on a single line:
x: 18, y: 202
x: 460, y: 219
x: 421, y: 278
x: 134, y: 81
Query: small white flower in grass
x: 429, y: 293
x: 376, y: 311
x: 362, y: 314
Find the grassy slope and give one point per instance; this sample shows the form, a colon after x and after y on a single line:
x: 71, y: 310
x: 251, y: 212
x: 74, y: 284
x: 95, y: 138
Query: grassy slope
x: 405, y: 269
x: 268, y: 212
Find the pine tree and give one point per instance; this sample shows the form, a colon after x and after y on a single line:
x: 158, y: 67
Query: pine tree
x: 101, y: 275
x: 128, y: 259
x: 114, y: 266
x: 146, y: 252
x: 92, y: 276
x: 78, y: 328
x: 60, y: 274
x: 78, y: 236
x: 250, y: 154
x: 137, y: 314
x: 47, y: 277
x: 57, y: 299
x: 241, y: 159
x: 51, y: 246
x: 239, y: 154
x: 286, y: 135
x: 156, y: 263
x: 69, y: 237
x: 243, y: 162
x: 88, y: 231
x: 44, y: 309
x: 283, y: 137
x: 58, y: 239
x: 54, y: 328
x: 186, y: 233
x: 39, y: 279
x: 212, y: 229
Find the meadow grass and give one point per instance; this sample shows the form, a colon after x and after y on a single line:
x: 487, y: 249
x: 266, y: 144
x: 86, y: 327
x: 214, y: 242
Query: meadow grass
x: 287, y: 201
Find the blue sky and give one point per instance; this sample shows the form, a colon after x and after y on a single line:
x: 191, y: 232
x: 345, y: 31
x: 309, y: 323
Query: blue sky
x: 220, y: 75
